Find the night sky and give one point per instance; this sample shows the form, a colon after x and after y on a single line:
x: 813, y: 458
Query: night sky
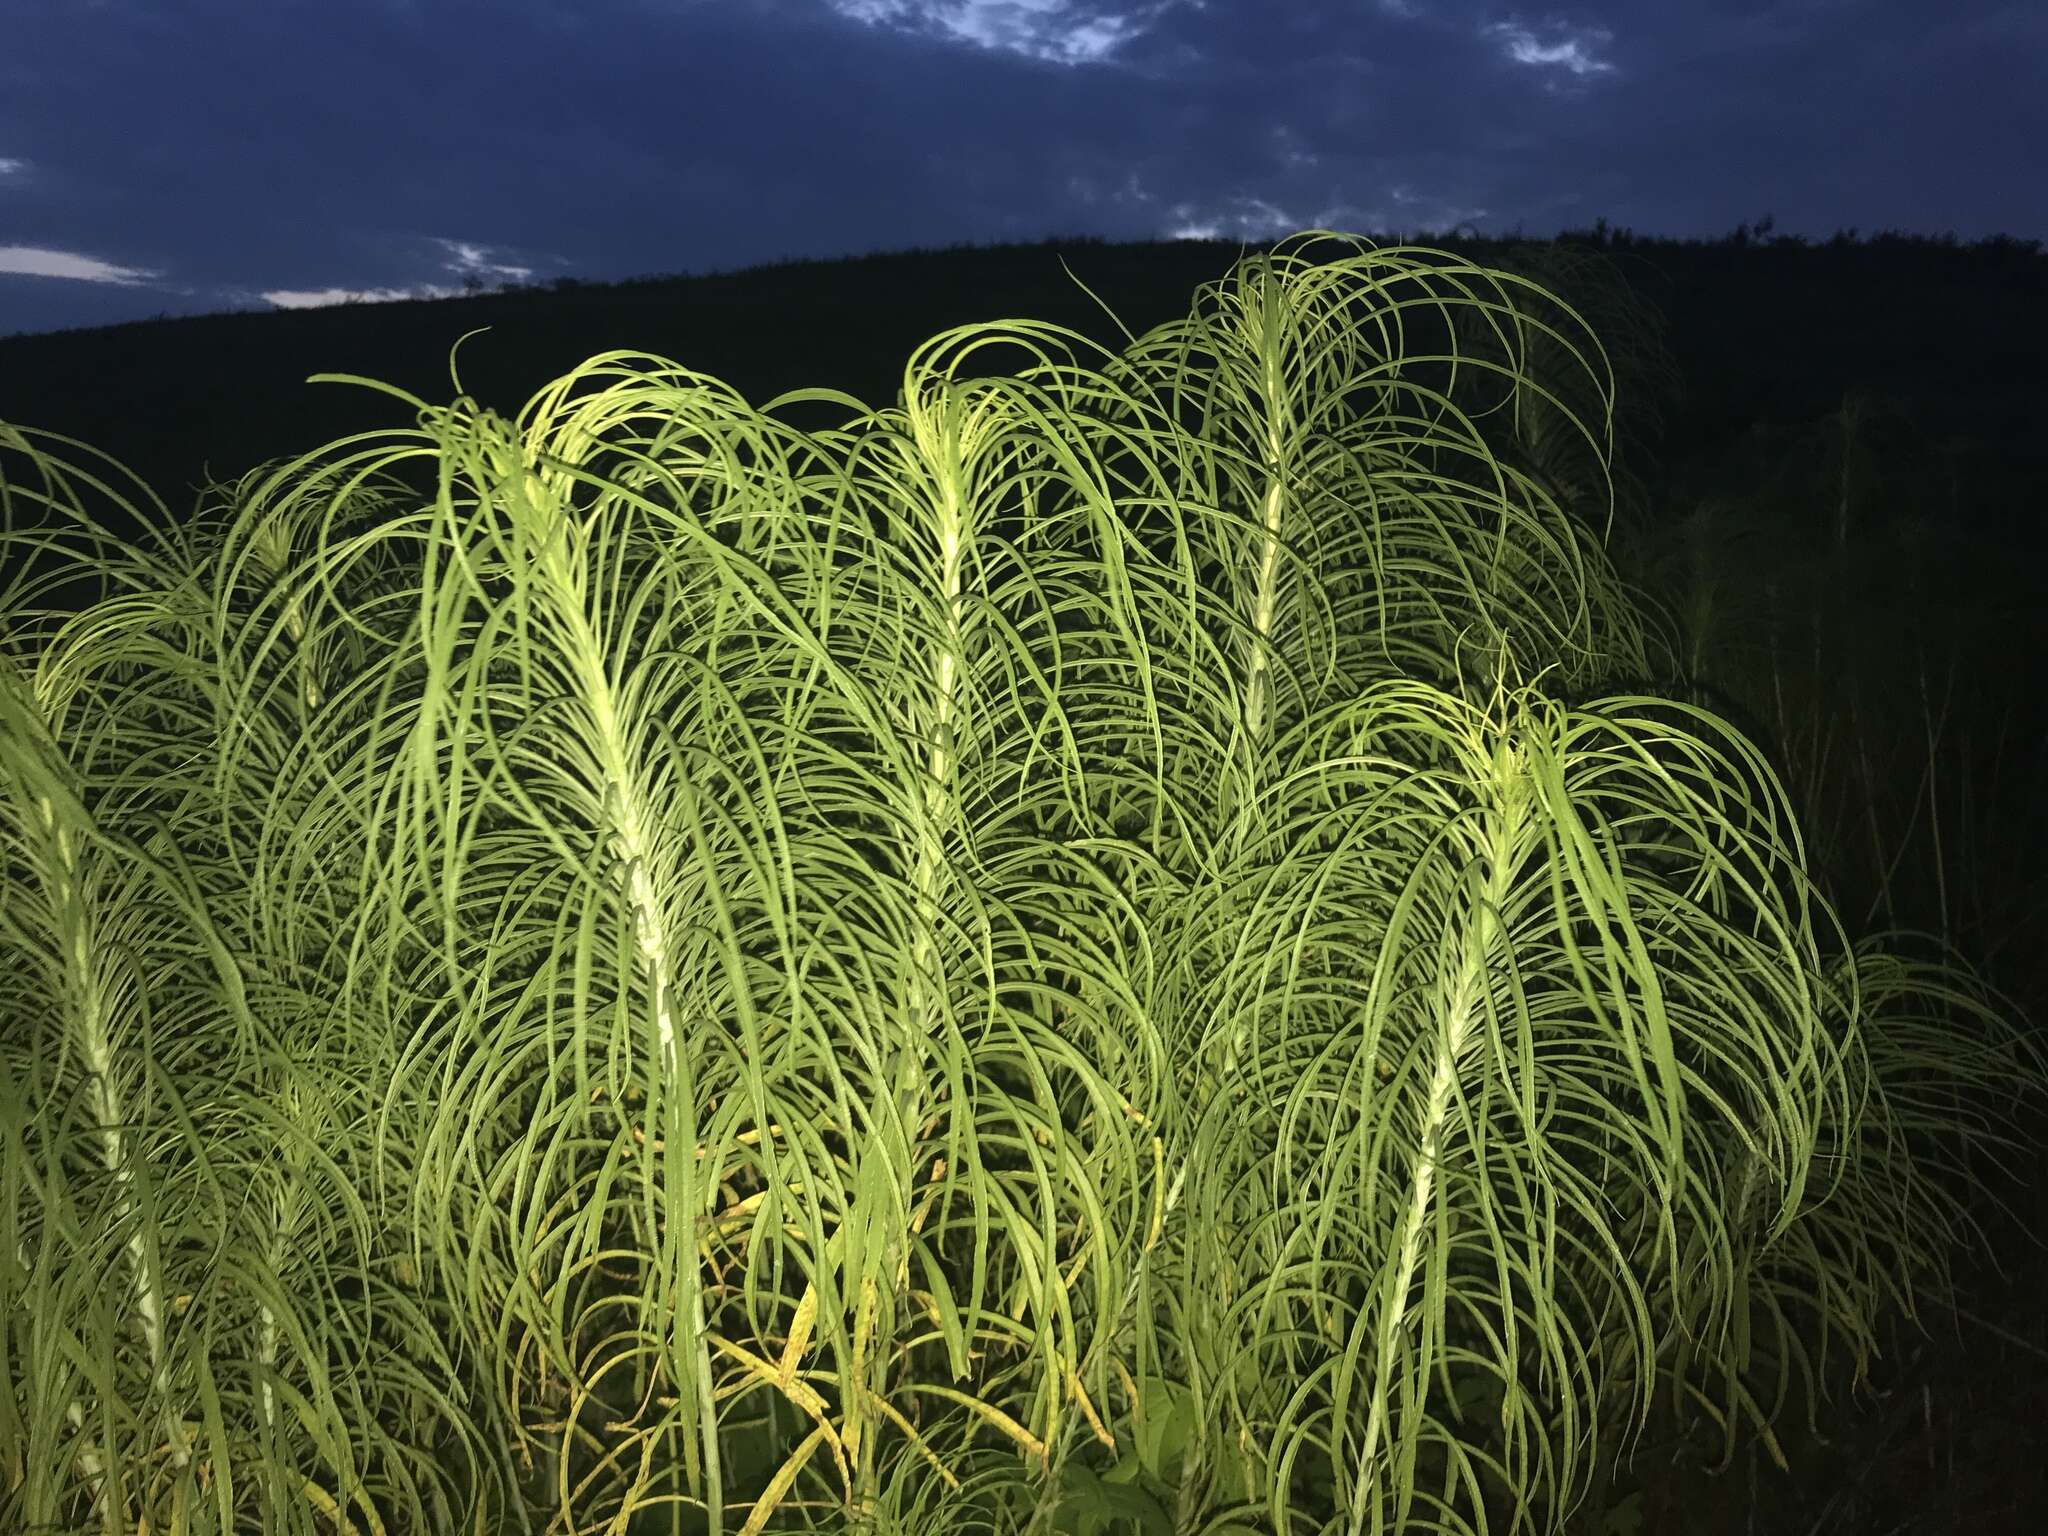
x: 186, y: 156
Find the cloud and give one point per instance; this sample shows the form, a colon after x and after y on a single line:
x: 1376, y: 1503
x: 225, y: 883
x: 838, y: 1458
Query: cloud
x: 1570, y: 50
x: 473, y: 261
x: 39, y: 261
x: 318, y: 298
x: 1050, y: 31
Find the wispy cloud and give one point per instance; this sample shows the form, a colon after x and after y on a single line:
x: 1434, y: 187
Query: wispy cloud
x: 39, y: 261
x: 471, y: 260
x: 1051, y: 31
x: 318, y: 298
x: 1555, y: 48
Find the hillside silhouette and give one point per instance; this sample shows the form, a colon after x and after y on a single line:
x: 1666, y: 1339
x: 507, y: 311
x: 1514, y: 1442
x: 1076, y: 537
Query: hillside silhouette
x: 1769, y: 334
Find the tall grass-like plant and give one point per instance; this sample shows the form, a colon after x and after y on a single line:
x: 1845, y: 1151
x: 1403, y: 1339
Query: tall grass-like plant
x: 1103, y: 944
x: 201, y: 1331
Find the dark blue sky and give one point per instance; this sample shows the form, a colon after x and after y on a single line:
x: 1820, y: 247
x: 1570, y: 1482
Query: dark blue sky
x: 183, y: 156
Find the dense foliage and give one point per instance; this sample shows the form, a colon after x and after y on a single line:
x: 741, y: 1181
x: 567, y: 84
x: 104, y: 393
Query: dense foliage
x: 1119, y: 944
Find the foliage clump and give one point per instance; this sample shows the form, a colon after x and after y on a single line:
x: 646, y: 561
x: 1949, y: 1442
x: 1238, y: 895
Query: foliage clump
x: 1114, y: 945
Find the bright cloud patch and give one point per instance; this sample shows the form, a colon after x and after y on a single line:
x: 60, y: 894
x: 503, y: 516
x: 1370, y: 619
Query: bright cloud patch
x: 40, y: 261
x: 1573, y: 51
x: 470, y: 260
x: 316, y: 298
x: 1054, y: 31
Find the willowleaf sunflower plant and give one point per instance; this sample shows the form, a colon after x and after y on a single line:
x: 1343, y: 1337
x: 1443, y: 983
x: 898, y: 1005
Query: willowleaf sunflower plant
x: 1119, y: 945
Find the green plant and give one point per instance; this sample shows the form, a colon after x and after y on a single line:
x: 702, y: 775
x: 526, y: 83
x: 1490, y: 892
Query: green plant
x: 1099, y: 949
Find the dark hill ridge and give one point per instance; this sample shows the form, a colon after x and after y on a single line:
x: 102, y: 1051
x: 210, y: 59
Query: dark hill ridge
x: 1770, y: 336
x: 230, y: 390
